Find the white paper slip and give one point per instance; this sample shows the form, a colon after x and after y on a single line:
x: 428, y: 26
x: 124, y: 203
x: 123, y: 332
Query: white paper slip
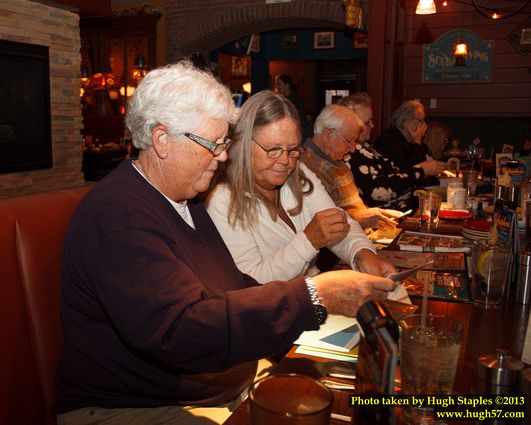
x: 338, y: 333
x: 399, y: 294
x: 325, y: 355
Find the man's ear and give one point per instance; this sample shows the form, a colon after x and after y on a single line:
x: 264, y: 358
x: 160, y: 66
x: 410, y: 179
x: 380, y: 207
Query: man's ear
x: 161, y: 141
x: 328, y: 132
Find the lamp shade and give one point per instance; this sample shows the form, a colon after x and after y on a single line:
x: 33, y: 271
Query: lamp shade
x: 102, y: 81
x: 247, y: 87
x: 460, y: 53
x: 425, y: 7
x: 461, y: 49
x: 140, y: 69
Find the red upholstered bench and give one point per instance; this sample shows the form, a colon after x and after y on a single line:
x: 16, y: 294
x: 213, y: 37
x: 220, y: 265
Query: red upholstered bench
x: 32, y: 230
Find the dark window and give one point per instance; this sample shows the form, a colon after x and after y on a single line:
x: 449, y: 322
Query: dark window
x: 25, y: 129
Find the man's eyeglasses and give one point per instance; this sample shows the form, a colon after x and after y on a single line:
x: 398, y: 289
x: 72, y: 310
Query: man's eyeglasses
x: 214, y: 148
x: 345, y: 140
x: 419, y: 120
x: 277, y: 152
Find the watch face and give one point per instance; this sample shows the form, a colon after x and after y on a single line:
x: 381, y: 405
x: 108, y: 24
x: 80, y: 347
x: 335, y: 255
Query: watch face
x: 321, y: 312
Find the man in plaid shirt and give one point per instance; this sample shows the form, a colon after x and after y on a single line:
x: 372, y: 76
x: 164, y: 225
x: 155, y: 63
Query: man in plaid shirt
x: 337, y: 130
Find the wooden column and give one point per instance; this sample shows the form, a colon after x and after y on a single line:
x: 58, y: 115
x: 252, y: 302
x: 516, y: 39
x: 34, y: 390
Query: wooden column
x: 385, y: 54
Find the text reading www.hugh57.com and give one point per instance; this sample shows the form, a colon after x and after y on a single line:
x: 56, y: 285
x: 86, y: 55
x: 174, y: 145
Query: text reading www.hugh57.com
x: 448, y: 407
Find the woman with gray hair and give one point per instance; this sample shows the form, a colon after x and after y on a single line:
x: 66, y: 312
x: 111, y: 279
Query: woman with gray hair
x: 271, y: 210
x: 401, y: 141
x: 159, y: 324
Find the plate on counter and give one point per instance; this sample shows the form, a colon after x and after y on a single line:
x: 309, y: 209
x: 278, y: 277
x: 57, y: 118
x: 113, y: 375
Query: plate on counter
x: 477, y: 225
x: 459, y: 153
x: 454, y: 214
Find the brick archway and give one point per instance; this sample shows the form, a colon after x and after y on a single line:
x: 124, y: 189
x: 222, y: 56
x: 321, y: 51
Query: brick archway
x: 202, y: 30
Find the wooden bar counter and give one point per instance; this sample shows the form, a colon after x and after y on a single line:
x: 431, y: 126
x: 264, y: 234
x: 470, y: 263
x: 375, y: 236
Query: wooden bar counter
x: 484, y: 332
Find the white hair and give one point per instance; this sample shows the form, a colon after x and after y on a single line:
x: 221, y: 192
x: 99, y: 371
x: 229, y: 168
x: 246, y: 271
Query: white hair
x: 180, y: 97
x: 333, y: 116
x: 405, y: 112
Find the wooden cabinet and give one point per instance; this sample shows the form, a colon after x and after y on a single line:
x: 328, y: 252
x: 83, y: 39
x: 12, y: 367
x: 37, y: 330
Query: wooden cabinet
x: 112, y: 45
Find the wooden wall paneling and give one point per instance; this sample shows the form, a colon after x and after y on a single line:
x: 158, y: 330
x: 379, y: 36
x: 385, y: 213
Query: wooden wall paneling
x: 509, y: 91
x: 376, y: 62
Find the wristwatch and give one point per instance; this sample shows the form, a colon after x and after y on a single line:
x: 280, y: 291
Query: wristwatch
x: 318, y: 307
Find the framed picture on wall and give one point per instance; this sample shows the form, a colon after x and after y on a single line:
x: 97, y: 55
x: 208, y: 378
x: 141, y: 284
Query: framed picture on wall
x: 254, y: 44
x: 239, y: 66
x: 289, y: 40
x: 324, y: 40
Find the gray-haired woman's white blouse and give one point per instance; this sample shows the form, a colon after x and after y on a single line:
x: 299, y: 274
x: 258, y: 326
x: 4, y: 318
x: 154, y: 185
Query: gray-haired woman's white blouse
x: 270, y: 250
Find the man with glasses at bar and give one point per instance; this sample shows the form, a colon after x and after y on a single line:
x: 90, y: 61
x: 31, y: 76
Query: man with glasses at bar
x: 271, y: 210
x: 402, y: 140
x: 160, y: 326
x: 382, y: 181
x: 337, y: 131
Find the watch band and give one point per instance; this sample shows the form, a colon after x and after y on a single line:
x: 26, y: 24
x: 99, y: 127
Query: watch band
x: 318, y: 307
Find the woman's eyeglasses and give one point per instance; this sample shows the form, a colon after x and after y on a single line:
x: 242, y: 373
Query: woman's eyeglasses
x: 215, y: 149
x: 277, y: 152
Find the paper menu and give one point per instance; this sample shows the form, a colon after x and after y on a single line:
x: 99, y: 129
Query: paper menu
x: 338, y: 333
x: 428, y: 242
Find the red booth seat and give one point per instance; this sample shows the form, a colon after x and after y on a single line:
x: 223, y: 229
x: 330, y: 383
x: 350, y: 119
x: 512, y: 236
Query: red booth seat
x: 32, y: 230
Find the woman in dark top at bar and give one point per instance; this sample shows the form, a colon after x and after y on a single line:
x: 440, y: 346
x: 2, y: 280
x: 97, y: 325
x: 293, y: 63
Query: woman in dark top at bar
x: 159, y: 324
x: 286, y: 87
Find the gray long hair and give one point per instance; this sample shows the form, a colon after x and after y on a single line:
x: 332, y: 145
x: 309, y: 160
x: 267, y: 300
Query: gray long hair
x: 404, y: 112
x: 258, y: 111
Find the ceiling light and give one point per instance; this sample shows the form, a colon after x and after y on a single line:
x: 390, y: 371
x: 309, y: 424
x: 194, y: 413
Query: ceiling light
x: 426, y: 7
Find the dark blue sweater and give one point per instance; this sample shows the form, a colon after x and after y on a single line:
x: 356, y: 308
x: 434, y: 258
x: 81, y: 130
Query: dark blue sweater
x: 156, y: 313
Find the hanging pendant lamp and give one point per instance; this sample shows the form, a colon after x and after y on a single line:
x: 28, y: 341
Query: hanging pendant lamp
x: 425, y: 7
x: 460, y: 52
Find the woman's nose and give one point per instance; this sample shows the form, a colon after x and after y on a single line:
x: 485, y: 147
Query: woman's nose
x: 284, y: 157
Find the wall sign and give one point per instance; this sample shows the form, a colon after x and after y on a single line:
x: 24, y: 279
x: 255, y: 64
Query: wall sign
x: 438, y: 64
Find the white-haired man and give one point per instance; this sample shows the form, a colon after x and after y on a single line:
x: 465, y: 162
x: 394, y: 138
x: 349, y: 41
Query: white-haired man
x: 337, y: 131
x: 159, y: 323
x: 382, y: 181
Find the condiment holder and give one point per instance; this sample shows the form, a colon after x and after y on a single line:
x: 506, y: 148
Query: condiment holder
x: 499, y: 373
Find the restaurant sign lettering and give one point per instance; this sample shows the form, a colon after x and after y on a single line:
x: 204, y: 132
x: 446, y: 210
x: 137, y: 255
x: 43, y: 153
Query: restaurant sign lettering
x: 438, y: 65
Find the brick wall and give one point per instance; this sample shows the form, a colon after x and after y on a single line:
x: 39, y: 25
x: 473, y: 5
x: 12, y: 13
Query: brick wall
x: 34, y: 23
x: 205, y: 26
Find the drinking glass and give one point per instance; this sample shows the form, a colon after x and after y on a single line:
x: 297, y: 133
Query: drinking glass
x: 456, y: 197
x: 429, y: 206
x: 470, y: 181
x: 289, y: 399
x: 429, y: 350
x: 490, y: 272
